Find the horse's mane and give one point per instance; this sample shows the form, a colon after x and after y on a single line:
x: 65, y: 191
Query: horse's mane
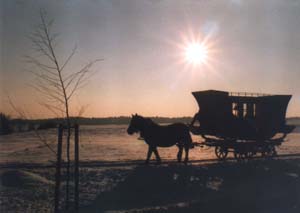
x: 150, y: 121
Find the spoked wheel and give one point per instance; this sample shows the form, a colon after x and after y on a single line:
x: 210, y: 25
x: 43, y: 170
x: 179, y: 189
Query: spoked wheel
x: 269, y: 151
x: 221, y: 152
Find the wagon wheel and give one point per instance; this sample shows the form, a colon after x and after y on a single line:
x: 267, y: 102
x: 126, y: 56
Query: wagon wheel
x: 221, y: 152
x: 269, y: 151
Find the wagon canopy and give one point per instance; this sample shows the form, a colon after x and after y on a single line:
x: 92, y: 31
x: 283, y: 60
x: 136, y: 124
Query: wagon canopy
x: 241, y: 115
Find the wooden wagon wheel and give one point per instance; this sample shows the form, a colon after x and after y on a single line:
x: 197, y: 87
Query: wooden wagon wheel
x: 221, y: 152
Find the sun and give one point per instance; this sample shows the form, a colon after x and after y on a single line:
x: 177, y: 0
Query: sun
x: 196, y: 53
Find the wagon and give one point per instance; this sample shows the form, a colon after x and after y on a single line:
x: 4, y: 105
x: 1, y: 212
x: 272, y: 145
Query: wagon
x: 243, y: 123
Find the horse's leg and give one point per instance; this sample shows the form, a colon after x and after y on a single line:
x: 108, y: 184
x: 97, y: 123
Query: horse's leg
x: 158, y: 160
x: 187, y: 144
x: 186, y: 148
x: 179, y: 154
x: 150, y: 149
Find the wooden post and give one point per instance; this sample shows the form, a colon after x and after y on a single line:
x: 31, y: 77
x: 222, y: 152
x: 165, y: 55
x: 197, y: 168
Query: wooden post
x: 76, y: 167
x: 58, y: 168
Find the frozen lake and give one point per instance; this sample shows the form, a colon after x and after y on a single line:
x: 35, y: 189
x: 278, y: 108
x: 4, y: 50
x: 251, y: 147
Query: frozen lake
x: 106, y: 143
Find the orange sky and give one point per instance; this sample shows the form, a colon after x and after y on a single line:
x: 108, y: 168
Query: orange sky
x: 252, y: 46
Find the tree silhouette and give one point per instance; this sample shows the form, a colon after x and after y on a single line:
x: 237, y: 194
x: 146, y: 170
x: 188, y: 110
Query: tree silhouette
x: 54, y: 81
x: 5, y: 125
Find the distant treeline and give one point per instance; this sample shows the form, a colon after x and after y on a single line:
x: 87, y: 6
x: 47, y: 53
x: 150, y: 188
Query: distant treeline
x: 126, y: 120
x: 293, y: 121
x: 8, y: 125
x: 5, y: 124
x: 101, y: 121
x: 52, y: 122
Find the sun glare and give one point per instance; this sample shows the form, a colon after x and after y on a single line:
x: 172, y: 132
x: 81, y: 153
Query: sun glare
x: 196, y: 53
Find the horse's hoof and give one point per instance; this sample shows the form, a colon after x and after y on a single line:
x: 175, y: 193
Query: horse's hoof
x: 185, y: 162
x: 146, y: 162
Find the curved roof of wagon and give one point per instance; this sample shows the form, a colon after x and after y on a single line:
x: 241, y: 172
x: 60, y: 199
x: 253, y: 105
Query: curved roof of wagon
x: 210, y: 95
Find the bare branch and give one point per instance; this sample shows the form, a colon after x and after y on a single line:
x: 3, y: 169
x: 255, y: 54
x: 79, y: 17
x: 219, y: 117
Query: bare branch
x: 46, y: 31
x: 48, y: 80
x: 82, y: 110
x: 54, y: 109
x: 43, y: 48
x: 69, y: 58
x: 45, y: 67
x: 20, y: 112
x: 48, y: 94
x: 81, y: 77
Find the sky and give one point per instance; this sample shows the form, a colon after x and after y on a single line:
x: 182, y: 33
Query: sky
x: 252, y: 46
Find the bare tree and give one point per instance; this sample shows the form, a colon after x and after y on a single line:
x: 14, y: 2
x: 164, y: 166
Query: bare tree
x: 54, y: 81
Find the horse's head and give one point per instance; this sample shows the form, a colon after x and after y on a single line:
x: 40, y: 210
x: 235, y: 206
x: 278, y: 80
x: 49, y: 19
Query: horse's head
x: 136, y: 124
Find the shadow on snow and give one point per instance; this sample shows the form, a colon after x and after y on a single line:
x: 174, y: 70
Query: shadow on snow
x: 254, y: 186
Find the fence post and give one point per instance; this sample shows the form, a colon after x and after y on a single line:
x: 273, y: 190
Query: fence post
x: 58, y: 168
x: 76, y: 167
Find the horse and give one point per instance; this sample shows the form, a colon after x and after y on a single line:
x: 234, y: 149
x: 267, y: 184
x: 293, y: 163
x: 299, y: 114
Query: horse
x: 161, y: 136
